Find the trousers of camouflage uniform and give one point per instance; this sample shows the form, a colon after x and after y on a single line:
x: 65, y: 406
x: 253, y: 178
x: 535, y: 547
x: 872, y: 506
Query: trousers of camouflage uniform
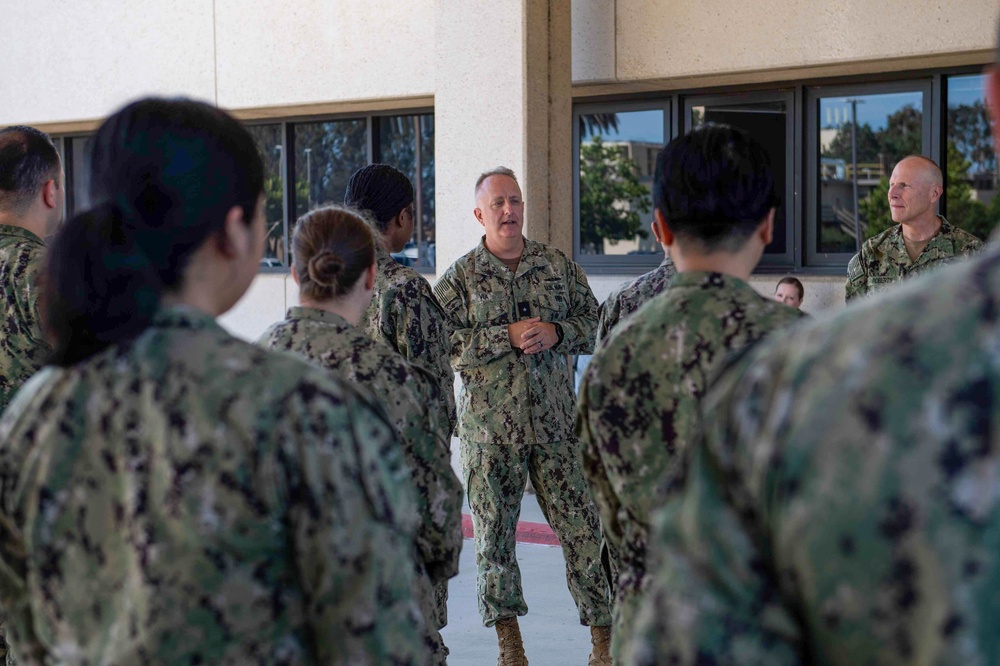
x: 495, y: 477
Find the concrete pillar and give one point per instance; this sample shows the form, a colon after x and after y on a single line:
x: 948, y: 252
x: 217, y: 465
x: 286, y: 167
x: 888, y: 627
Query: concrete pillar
x: 503, y: 97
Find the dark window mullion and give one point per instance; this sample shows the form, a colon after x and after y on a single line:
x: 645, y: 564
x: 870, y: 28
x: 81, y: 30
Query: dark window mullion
x: 288, y: 186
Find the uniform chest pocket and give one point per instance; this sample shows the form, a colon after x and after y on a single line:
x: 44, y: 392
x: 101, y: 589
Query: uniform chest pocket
x: 491, y: 311
x: 553, y: 303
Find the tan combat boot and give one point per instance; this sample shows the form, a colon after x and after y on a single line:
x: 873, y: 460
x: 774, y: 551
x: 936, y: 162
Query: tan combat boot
x: 600, y: 638
x: 511, y: 646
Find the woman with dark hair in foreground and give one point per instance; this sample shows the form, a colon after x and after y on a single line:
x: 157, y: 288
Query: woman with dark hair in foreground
x: 171, y: 494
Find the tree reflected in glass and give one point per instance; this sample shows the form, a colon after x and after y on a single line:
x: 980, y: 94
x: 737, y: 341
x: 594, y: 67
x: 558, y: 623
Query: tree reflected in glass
x: 268, y: 140
x: 889, y: 127
x: 407, y: 143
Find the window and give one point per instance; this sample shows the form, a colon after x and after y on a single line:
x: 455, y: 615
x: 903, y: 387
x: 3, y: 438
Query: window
x: 271, y: 145
x: 319, y: 157
x: 407, y: 142
x: 971, y: 171
x: 615, y: 162
x: 833, y: 145
x: 858, y: 134
x: 767, y: 118
x: 76, y: 163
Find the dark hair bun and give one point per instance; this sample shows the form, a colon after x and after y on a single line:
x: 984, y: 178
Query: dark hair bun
x: 324, y: 268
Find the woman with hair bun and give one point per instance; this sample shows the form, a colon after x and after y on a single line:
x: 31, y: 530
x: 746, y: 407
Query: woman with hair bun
x: 168, y: 493
x: 333, y: 262
x: 404, y: 313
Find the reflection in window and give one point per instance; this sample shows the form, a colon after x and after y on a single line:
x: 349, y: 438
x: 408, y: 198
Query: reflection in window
x: 268, y: 140
x: 407, y: 143
x: 617, y: 160
x: 326, y: 154
x: 766, y: 122
x: 885, y: 128
x: 972, y: 164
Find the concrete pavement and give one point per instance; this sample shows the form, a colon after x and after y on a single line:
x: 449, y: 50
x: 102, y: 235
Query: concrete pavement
x: 553, y: 635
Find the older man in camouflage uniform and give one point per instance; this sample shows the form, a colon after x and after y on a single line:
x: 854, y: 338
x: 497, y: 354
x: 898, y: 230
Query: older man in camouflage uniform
x: 516, y: 308
x: 843, y: 508
x: 638, y: 410
x: 919, y: 242
x: 31, y: 205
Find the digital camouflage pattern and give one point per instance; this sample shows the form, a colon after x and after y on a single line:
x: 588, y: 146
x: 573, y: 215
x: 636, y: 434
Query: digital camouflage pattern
x: 639, y: 405
x: 632, y: 296
x: 405, y: 315
x: 843, y: 508
x: 883, y: 259
x: 507, y: 395
x: 330, y: 341
x: 619, y: 305
x: 516, y: 418
x: 22, y: 348
x: 190, y: 498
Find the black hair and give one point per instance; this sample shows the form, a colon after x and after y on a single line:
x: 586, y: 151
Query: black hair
x: 28, y: 158
x: 714, y: 186
x: 381, y: 191
x: 331, y: 248
x: 165, y: 173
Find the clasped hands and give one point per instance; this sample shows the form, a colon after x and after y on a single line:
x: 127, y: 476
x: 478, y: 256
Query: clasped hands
x: 532, y: 335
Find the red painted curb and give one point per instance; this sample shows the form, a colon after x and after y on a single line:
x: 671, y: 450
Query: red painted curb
x: 539, y: 533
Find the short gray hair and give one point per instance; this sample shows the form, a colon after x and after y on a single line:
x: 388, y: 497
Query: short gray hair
x: 495, y: 171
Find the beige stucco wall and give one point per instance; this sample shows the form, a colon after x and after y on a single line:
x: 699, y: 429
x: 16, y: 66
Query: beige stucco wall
x: 696, y: 37
x: 311, y: 51
x: 80, y: 60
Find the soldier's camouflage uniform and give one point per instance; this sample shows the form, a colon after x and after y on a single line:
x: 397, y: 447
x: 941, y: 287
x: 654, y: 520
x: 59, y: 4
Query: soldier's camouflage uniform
x: 632, y: 296
x: 619, y: 305
x: 190, y: 498
x: 515, y: 418
x: 883, y: 259
x: 332, y: 342
x: 843, y: 508
x: 405, y: 315
x: 639, y: 404
x: 22, y: 348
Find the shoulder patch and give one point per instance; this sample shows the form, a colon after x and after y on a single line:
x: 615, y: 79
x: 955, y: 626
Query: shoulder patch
x: 854, y: 270
x: 444, y: 292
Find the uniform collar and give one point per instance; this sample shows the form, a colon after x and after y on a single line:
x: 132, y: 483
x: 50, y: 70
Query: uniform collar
x: 184, y: 316
x: 707, y: 280
x: 12, y: 230
x: 532, y: 257
x: 896, y: 248
x: 315, y: 314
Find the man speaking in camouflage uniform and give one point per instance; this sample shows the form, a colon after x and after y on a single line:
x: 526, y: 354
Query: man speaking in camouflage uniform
x: 714, y: 204
x: 843, y: 507
x: 516, y: 309
x: 31, y: 205
x: 921, y: 240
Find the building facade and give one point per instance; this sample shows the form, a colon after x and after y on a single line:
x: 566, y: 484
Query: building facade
x: 445, y: 89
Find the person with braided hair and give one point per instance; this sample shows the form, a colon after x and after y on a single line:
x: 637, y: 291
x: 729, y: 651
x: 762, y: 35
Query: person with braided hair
x: 333, y: 262
x: 403, y: 313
